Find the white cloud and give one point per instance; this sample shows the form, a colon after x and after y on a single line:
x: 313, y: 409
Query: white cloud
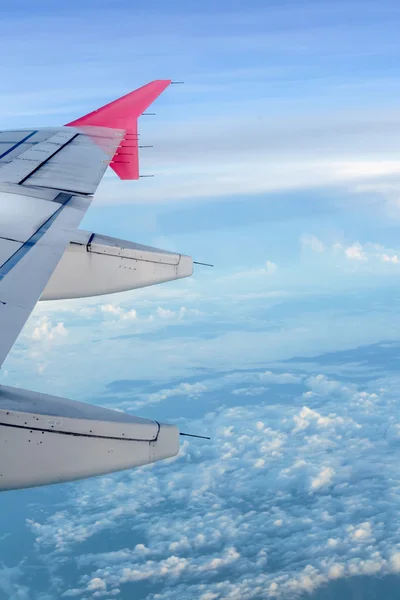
x: 237, y: 501
x: 355, y: 252
x: 46, y: 331
x: 250, y: 391
x: 361, y: 533
x: 96, y: 584
x: 369, y: 252
x: 395, y: 562
x: 393, y: 258
x: 178, y: 353
x: 279, y: 378
x: 191, y: 165
x: 165, y: 313
x: 119, y: 312
x: 111, y: 309
x: 322, y: 385
x: 323, y: 478
x: 214, y: 504
x: 191, y: 390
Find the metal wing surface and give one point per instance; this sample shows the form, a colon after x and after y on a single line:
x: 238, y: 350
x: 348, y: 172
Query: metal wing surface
x: 47, y: 178
x: 47, y: 181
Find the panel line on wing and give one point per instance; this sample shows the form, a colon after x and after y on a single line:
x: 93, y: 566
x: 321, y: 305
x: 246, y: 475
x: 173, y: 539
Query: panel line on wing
x: 39, y: 166
x: 87, y: 435
x: 18, y: 144
x: 39, y: 233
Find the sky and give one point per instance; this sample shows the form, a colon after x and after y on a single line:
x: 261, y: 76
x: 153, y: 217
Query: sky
x: 278, y: 162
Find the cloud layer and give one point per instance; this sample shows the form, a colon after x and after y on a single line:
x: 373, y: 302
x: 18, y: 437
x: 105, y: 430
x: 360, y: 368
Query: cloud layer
x: 285, y: 498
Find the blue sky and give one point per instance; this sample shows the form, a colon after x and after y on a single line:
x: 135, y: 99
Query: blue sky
x: 277, y: 161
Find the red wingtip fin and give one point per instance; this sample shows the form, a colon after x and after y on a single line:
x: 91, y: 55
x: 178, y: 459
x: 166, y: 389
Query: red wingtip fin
x: 123, y: 114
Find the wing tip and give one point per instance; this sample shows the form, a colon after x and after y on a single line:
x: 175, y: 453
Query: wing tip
x: 123, y: 113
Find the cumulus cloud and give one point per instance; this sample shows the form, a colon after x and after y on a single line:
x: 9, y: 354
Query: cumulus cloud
x: 286, y: 482
x: 96, y: 584
x: 393, y: 258
x: 280, y: 378
x: 324, y: 386
x: 368, y: 252
x: 323, y: 478
x: 118, y: 312
x: 355, y: 252
x: 361, y: 532
x: 165, y: 313
x: 46, y: 331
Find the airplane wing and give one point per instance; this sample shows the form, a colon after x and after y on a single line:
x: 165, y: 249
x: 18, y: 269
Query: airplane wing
x: 47, y: 181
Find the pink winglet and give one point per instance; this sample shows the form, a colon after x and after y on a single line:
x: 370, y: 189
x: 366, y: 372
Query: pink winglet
x: 123, y: 114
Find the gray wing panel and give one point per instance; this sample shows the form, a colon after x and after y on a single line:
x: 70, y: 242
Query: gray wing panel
x: 14, y: 143
x: 25, y: 273
x: 66, y: 158
x: 36, y: 224
x: 79, y: 167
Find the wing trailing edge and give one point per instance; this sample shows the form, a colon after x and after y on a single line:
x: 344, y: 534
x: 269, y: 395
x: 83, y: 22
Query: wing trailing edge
x: 123, y: 113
